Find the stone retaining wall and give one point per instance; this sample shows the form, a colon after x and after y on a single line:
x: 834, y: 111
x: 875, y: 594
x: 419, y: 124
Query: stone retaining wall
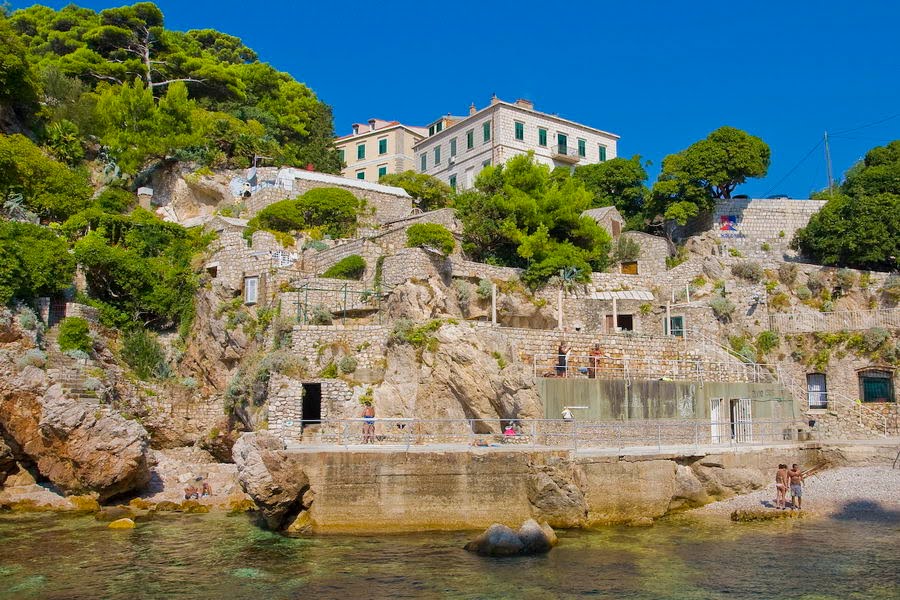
x: 285, y: 400
x: 366, y: 343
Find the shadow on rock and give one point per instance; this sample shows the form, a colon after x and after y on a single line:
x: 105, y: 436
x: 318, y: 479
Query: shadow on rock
x: 867, y: 510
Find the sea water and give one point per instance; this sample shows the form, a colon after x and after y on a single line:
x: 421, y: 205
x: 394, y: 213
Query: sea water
x: 218, y: 556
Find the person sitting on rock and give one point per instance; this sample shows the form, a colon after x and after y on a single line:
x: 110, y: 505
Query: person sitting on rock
x: 191, y: 493
x: 206, y: 490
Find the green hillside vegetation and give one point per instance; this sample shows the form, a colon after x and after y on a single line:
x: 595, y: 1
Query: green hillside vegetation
x: 859, y: 226
x: 321, y: 211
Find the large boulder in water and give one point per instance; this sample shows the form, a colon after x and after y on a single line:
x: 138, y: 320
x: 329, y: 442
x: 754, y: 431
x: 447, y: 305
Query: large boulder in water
x: 500, y: 540
x: 79, y: 447
x: 272, y: 477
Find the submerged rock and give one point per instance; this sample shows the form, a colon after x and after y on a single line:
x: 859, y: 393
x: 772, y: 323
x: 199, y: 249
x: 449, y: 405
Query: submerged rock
x: 121, y: 524
x: 273, y: 478
x: 500, y: 540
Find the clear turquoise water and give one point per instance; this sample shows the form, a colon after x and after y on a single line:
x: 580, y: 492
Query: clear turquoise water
x: 211, y: 556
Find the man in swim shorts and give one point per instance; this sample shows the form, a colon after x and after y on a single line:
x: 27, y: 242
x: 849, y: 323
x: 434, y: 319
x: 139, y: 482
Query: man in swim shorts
x: 796, y: 479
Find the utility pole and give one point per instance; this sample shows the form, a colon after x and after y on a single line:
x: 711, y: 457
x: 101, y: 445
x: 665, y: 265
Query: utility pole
x: 828, y: 166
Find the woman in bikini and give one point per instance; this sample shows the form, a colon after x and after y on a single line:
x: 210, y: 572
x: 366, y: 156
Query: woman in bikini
x: 781, y: 486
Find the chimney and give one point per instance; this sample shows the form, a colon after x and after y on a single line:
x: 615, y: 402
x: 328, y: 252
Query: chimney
x: 371, y: 124
x: 525, y: 103
x: 472, y: 109
x: 494, y: 99
x: 355, y: 129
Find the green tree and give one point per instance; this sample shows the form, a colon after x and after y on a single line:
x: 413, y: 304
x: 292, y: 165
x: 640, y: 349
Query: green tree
x: 34, y: 262
x: 430, y: 193
x: 707, y: 171
x: 48, y: 188
x: 18, y: 83
x: 75, y: 334
x: 618, y: 182
x: 332, y: 210
x: 520, y: 215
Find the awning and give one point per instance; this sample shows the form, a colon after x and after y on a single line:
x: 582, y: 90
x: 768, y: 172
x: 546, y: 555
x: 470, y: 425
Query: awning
x: 623, y: 295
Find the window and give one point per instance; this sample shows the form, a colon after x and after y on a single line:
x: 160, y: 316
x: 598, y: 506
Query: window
x: 817, y: 390
x: 470, y: 139
x: 629, y: 267
x: 251, y: 290
x: 439, y: 127
x: 341, y: 155
x: 486, y: 163
x: 542, y: 137
x: 625, y: 322
x: 424, y: 160
x: 876, y: 385
x: 437, y: 155
x: 486, y: 131
x: 361, y: 151
x: 382, y: 171
x: 431, y: 130
x: 360, y: 174
x: 602, y: 153
x: 675, y: 326
x: 382, y: 146
x: 562, y: 143
x: 453, y: 147
x: 520, y: 131
x: 453, y: 181
x: 582, y: 148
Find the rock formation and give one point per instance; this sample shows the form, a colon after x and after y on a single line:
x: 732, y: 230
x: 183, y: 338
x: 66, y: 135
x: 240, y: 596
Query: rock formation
x: 78, y: 447
x: 272, y: 477
x: 500, y: 540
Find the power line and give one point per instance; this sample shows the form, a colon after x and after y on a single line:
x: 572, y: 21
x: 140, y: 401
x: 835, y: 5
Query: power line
x: 795, y: 167
x: 872, y: 124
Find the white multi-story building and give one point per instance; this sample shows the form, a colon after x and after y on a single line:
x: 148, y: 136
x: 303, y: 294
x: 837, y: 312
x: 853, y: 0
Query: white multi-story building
x: 457, y: 148
x: 378, y: 148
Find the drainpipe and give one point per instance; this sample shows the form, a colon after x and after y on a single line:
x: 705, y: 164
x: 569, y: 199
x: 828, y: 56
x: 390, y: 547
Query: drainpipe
x: 668, y: 319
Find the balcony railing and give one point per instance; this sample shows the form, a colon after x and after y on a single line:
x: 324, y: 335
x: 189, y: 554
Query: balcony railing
x: 565, y: 153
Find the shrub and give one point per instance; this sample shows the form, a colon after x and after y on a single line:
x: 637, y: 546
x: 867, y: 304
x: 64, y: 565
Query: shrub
x: 804, y: 293
x: 815, y: 282
x: 432, y: 235
x: 485, y: 289
x: 767, y: 341
x: 33, y: 357
x: 681, y: 255
x: 875, y: 337
x: 329, y: 372
x: 891, y: 287
x: 367, y: 398
x: 780, y: 301
x: 347, y: 364
x: 765, y: 247
x: 463, y: 291
x: 723, y: 308
x: 77, y: 354
x: 645, y: 309
x: 319, y: 315
x: 92, y: 384
x: 787, y: 273
x: 846, y: 279
x: 430, y: 192
x: 317, y: 245
x: 28, y: 319
x: 735, y: 252
x: 188, y: 382
x: 284, y: 216
x: 626, y: 249
x: 34, y: 261
x: 350, y: 267
x: 749, y: 270
x: 333, y: 210
x: 74, y: 334
x: 405, y: 332
x: 771, y: 286
x: 142, y: 352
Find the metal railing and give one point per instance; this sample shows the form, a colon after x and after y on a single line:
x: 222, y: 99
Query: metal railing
x: 848, y: 320
x: 569, y: 151
x: 552, y: 434
x: 600, y: 367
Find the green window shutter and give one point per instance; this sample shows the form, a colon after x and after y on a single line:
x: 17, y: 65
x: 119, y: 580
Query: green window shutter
x: 453, y: 147
x: 424, y: 160
x: 542, y: 137
x: 602, y: 153
x: 361, y: 175
x: 470, y: 139
x: 486, y: 130
x: 453, y: 181
x: 437, y: 155
x: 520, y: 131
x: 341, y: 155
x: 582, y: 148
x: 382, y: 171
x: 431, y: 130
x: 382, y: 146
x: 361, y: 151
x: 439, y: 127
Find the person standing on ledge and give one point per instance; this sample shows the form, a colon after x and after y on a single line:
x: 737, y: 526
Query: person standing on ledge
x: 596, y: 355
x: 369, y: 424
x: 562, y: 359
x: 796, y: 479
x: 781, y: 486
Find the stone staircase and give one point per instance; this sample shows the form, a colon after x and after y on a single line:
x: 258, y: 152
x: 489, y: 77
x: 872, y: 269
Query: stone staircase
x: 69, y: 372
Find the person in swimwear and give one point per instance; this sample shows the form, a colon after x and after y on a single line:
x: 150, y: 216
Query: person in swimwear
x: 781, y: 486
x: 368, y: 424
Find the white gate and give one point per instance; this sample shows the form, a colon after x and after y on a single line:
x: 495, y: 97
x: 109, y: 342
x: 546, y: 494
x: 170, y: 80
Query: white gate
x: 741, y: 421
x: 718, y: 421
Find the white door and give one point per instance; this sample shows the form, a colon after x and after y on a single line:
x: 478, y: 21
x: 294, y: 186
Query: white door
x: 718, y: 424
x: 741, y: 423
x: 817, y: 392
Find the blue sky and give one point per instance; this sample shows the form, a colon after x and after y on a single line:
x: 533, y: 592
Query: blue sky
x: 659, y: 74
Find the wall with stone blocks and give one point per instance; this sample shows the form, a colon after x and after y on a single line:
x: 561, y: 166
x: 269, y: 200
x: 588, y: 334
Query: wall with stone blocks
x: 88, y: 313
x: 328, y: 293
x: 413, y: 263
x: 366, y: 343
x: 654, y: 250
x: 285, y: 404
